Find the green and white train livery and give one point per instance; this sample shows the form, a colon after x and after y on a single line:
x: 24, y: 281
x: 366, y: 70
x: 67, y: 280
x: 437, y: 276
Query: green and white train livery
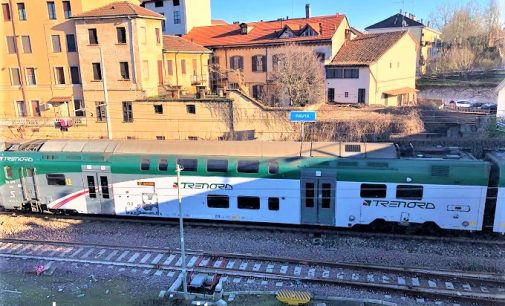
x: 330, y: 184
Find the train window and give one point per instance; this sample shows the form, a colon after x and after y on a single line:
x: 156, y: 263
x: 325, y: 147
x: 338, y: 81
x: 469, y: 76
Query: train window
x: 273, y: 203
x: 218, y: 201
x: 145, y: 164
x: 163, y: 164
x: 409, y: 192
x: 248, y: 166
x: 326, y: 195
x: 273, y: 167
x: 91, y: 187
x: 188, y: 164
x: 217, y: 165
x: 30, y: 172
x: 248, y: 202
x: 309, y: 194
x: 8, y: 172
x: 104, y: 184
x: 373, y: 191
x: 56, y: 179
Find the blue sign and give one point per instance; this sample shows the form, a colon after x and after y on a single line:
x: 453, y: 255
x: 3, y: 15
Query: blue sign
x: 302, y: 116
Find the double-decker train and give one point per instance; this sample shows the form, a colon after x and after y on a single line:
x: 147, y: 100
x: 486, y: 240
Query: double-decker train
x: 328, y: 184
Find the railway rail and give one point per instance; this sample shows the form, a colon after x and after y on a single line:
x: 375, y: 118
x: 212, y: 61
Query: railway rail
x: 235, y: 267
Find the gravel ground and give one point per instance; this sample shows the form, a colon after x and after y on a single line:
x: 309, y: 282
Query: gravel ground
x: 373, y: 250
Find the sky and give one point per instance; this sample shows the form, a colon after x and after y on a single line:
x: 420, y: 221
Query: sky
x: 360, y: 13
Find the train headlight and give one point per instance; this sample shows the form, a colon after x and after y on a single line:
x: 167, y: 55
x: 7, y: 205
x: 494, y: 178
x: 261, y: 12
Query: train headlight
x: 465, y: 223
x: 352, y: 218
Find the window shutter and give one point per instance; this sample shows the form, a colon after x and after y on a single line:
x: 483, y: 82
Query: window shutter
x: 254, y: 64
x: 231, y: 63
x: 240, y: 62
x: 264, y: 62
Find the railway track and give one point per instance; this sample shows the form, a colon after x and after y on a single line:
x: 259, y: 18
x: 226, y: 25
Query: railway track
x: 236, y: 268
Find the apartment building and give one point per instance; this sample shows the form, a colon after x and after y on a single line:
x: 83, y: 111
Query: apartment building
x: 181, y: 15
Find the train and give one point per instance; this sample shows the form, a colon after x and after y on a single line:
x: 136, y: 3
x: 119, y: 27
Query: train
x: 331, y: 184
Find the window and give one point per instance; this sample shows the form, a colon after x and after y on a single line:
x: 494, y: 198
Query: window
x: 36, y: 108
x: 194, y: 65
x: 176, y: 2
x: 104, y: 184
x: 80, y: 109
x: 97, y: 72
x: 15, y: 77
x: 163, y: 162
x: 191, y: 109
x: 158, y: 108
x: 21, y: 11
x: 27, y: 45
x: 352, y: 148
x: 192, y: 138
x: 145, y: 164
x: 56, y: 43
x: 170, y: 68
x: 143, y: 35
x: 91, y: 186
x: 158, y: 35
x: 325, y: 195
x: 218, y: 201
x: 183, y: 66
x: 160, y: 137
x: 67, y: 9
x: 59, y: 75
x: 257, y: 91
x: 145, y: 69
x: 188, y: 164
x: 276, y: 60
x: 158, y: 3
x: 309, y: 195
x: 127, y: 112
x: 21, y: 107
x: 409, y: 192
x: 331, y: 94
x: 101, y: 114
x: 351, y: 73
x: 273, y: 167
x: 56, y: 179
x: 259, y: 63
x: 321, y: 56
x: 6, y: 11
x: 273, y: 203
x: 248, y: 166
x: 236, y: 62
x: 75, y: 75
x: 177, y: 17
x: 51, y: 10
x: 373, y: 191
x: 121, y: 35
x: 30, y: 76
x: 71, y: 47
x: 346, y: 94
x: 217, y: 165
x: 125, y: 73
x: 93, y: 37
x: 248, y: 202
x: 11, y: 44
x: 8, y: 172
x: 163, y: 22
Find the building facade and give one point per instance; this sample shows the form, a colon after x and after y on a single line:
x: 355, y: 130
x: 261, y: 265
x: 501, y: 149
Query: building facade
x: 181, y: 15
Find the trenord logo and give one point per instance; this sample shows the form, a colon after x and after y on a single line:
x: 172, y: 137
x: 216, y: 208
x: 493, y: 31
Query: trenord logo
x: 398, y: 204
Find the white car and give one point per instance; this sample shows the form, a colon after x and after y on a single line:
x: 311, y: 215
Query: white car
x: 464, y: 104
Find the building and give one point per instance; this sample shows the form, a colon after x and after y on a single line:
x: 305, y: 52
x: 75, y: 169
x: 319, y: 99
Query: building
x: 374, y: 69
x: 186, y: 64
x: 500, y: 101
x: 427, y: 38
x: 181, y: 15
x: 245, y: 53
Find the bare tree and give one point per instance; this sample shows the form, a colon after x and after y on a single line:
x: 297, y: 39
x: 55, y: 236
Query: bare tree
x: 298, y: 76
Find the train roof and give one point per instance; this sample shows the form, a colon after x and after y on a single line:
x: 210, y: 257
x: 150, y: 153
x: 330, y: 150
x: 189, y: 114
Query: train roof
x: 216, y: 148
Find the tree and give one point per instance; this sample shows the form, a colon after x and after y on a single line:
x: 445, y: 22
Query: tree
x: 297, y: 78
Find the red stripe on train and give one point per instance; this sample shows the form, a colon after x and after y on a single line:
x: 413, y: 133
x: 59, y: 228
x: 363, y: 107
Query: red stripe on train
x: 73, y: 197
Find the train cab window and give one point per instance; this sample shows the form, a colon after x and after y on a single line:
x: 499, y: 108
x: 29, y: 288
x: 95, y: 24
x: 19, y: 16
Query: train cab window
x: 326, y: 195
x: 273, y: 203
x: 217, y: 165
x: 56, y: 179
x: 309, y: 194
x: 8, y: 172
x: 273, y: 167
x: 91, y: 187
x: 145, y: 164
x: 409, y: 192
x: 373, y: 191
x: 248, y: 202
x: 163, y: 164
x: 218, y: 201
x: 188, y: 164
x: 104, y: 184
x: 248, y: 166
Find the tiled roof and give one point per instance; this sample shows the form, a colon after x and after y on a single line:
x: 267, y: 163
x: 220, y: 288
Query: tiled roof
x: 366, y: 48
x: 176, y: 43
x: 218, y: 22
x: 264, y: 32
x: 123, y: 8
x: 395, y: 21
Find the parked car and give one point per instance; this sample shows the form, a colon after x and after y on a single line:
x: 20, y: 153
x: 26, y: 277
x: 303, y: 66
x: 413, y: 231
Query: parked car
x: 463, y: 104
x: 491, y: 107
x: 477, y: 104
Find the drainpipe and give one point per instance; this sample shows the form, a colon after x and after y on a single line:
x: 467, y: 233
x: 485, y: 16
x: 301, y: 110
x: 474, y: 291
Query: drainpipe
x: 18, y: 58
x: 201, y: 67
x: 132, y: 52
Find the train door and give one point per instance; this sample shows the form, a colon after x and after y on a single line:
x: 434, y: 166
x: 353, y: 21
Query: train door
x: 99, y: 198
x: 317, y: 189
x: 28, y: 182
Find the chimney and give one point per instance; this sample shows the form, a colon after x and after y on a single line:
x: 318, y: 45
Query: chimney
x: 307, y: 10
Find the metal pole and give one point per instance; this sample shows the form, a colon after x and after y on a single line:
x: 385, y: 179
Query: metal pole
x: 178, y: 169
x: 303, y: 131
x: 106, y: 95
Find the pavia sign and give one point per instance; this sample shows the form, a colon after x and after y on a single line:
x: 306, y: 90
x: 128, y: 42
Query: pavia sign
x: 306, y: 116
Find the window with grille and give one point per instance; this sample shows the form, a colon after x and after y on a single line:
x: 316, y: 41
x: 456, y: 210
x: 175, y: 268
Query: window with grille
x: 127, y: 112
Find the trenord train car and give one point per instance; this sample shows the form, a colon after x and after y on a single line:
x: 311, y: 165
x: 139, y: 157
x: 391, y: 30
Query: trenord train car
x: 329, y: 184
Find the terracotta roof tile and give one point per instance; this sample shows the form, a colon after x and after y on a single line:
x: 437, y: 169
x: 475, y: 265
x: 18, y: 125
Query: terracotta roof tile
x: 366, y: 48
x: 264, y: 32
x: 176, y: 43
x: 123, y: 8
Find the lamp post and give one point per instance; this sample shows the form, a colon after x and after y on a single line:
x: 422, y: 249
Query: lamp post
x: 178, y: 169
